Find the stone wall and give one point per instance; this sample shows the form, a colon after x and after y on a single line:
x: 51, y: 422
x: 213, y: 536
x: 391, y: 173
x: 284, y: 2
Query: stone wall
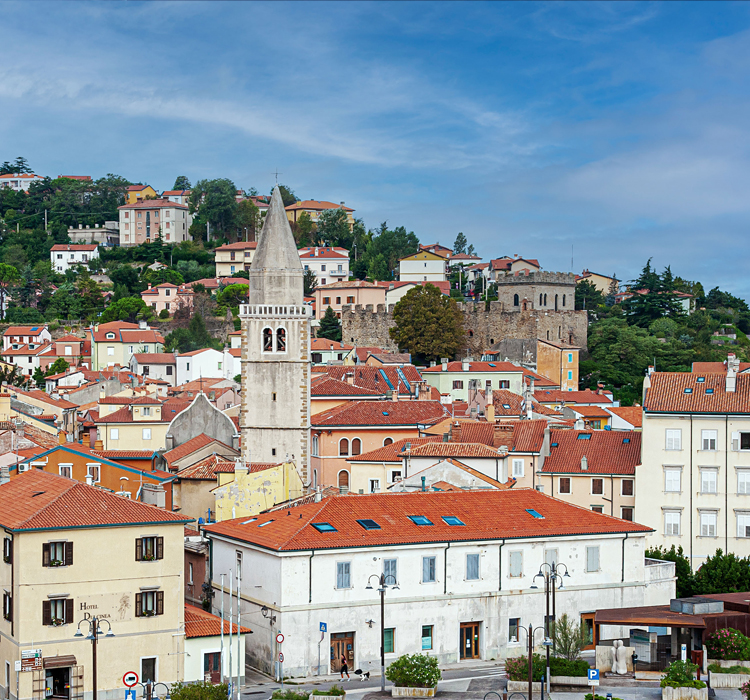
x: 369, y: 326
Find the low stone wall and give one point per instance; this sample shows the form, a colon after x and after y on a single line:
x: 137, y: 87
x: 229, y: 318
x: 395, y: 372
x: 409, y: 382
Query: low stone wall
x: 729, y: 664
x: 727, y: 680
x: 684, y: 693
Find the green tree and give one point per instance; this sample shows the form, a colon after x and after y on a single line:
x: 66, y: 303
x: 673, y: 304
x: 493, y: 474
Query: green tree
x: 287, y: 195
x: 470, y: 250
x: 161, y: 276
x: 216, y: 202
x: 181, y: 183
x: 40, y: 378
x: 89, y: 299
x: 685, y: 578
x: 129, y: 309
x: 246, y: 221
x: 310, y: 282
x: 330, y: 326
x: 723, y: 573
x: 459, y: 246
x: 9, y: 277
x: 653, y: 297
x: 19, y: 165
x: 569, y: 636
x: 126, y: 276
x: 194, y: 337
x: 588, y: 296
x: 305, y: 231
x: 59, y: 366
x: 198, y: 691
x: 385, y: 248
x: 429, y: 325
x: 334, y: 230
x: 233, y: 295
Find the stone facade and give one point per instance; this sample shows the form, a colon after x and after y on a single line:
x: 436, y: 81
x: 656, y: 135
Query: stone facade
x: 485, y: 327
x: 549, y: 291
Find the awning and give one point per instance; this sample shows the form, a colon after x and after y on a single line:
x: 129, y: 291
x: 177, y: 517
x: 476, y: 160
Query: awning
x: 60, y: 661
x: 650, y: 615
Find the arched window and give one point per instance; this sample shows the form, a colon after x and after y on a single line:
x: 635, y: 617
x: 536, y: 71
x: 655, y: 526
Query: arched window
x: 547, y: 335
x: 281, y: 340
x: 267, y: 340
x: 343, y: 447
x: 356, y: 446
x: 344, y: 480
x: 545, y: 300
x: 559, y: 332
x: 471, y: 334
x: 515, y: 300
x: 563, y: 300
x: 315, y: 443
x: 315, y: 478
x: 555, y: 302
x: 387, y: 441
x: 541, y: 298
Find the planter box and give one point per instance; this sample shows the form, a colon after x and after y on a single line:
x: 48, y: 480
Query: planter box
x: 729, y: 664
x: 569, y: 680
x: 403, y: 692
x: 327, y: 697
x: 728, y: 680
x: 684, y: 693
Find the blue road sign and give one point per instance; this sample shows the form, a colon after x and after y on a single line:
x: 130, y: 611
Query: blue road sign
x: 593, y: 676
x: 323, y: 627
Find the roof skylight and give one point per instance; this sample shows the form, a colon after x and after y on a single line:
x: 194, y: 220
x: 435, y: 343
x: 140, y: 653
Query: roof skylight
x: 368, y: 524
x: 268, y: 522
x: 324, y: 527
x: 452, y: 520
x: 420, y: 520
x: 584, y: 436
x: 534, y: 513
x: 689, y: 390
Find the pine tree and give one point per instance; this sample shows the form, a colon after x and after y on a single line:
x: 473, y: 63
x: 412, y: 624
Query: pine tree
x: 330, y: 326
x: 459, y: 246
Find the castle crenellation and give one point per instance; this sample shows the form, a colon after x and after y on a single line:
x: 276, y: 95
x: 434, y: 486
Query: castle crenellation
x: 526, y: 277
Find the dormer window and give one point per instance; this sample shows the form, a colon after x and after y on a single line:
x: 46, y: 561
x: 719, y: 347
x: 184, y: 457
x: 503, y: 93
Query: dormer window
x: 110, y: 336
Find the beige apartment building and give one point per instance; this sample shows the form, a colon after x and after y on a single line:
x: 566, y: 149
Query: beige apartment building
x: 693, y: 484
x: 594, y: 469
x: 72, y: 552
x: 146, y: 220
x: 234, y: 257
x: 140, y: 425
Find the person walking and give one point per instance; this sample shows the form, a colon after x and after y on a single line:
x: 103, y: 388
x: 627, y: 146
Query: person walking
x: 344, y: 668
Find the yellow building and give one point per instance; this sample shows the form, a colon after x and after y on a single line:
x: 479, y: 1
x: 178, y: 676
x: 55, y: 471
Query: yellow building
x: 559, y: 363
x: 116, y: 342
x: 72, y: 552
x: 137, y: 193
x: 315, y: 208
x: 603, y: 283
x: 234, y: 257
x: 140, y: 425
x: 251, y: 491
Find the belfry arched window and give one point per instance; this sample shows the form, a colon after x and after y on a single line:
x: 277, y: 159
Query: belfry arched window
x: 267, y: 340
x: 515, y: 300
x: 281, y: 340
x: 545, y: 300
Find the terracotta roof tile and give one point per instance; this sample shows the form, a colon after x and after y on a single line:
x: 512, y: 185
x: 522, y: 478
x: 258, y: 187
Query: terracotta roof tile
x: 486, y: 514
x: 606, y: 451
x: 376, y: 413
x: 392, y: 452
x: 37, y: 499
x: 206, y: 469
x: 459, y: 450
x: 477, y: 367
x: 580, y: 397
x: 316, y: 205
x: 26, y: 330
x: 199, y: 623
x: 187, y: 448
x: 381, y: 379
x: 631, y: 414
x: 590, y: 411
x: 681, y: 392
x: 155, y: 358
x: 325, y: 344
x: 327, y: 386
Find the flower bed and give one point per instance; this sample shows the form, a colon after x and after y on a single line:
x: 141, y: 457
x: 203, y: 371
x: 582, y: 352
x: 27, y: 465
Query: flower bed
x: 728, y: 644
x: 414, y: 675
x: 518, y: 667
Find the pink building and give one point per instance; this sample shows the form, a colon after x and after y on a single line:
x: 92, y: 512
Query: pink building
x: 341, y: 294
x: 168, y: 296
x: 145, y: 220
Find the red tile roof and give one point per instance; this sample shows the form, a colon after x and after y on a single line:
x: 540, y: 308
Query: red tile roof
x: 315, y: 205
x: 580, y: 397
x: 327, y: 386
x: 125, y: 454
x: 528, y: 435
x: 314, y: 253
x: 607, y: 452
x: 187, y: 448
x: 25, y: 330
x: 206, y: 469
x: 487, y: 515
x: 380, y: 413
x: 155, y: 358
x: 154, y: 204
x: 372, y: 377
x: 240, y: 245
x: 325, y: 344
x: 631, y: 414
x: 42, y: 396
x: 477, y: 367
x: 459, y: 450
x: 590, y: 411
x: 681, y: 392
x: 199, y: 623
x: 392, y: 452
x: 39, y: 500
x: 354, y: 284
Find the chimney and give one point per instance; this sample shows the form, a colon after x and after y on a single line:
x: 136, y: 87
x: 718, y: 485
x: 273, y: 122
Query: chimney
x: 733, y: 366
x: 424, y: 483
x: 584, y: 464
x: 149, y: 285
x: 98, y: 445
x: 240, y: 467
x: 62, y: 438
x: 4, y: 474
x: 466, y: 364
x: 444, y: 362
x: 142, y: 325
x: 349, y: 378
x: 318, y: 494
x: 578, y: 425
x: 90, y: 479
x: 489, y: 406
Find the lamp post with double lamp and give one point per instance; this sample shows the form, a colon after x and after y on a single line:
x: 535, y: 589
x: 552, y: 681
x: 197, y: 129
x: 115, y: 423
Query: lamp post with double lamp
x: 550, y: 573
x: 383, y: 583
x: 530, y: 638
x: 95, y: 631
x: 149, y: 687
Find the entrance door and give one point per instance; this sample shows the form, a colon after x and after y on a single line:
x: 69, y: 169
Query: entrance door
x: 57, y: 683
x: 587, y: 619
x: 342, y: 643
x: 469, y: 640
x: 212, y: 667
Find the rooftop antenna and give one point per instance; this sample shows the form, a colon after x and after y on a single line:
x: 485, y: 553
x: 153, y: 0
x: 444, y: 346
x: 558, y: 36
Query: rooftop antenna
x: 572, y: 268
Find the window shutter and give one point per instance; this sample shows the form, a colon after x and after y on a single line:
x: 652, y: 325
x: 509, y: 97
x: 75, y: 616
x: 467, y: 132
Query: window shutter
x: 160, y: 548
x: 46, y: 612
x: 138, y: 604
x: 68, y: 610
x: 159, y: 602
x: 139, y: 549
x: 68, y: 554
x: 45, y: 554
x: 735, y: 442
x: 10, y: 608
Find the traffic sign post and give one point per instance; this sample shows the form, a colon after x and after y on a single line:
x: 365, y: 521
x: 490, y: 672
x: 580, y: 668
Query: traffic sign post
x: 323, y: 630
x: 279, y: 642
x: 130, y: 679
x: 281, y: 658
x: 130, y: 694
x: 279, y: 638
x: 323, y: 627
x: 593, y: 676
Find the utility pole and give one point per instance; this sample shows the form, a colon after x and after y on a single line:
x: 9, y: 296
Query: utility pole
x: 45, y: 219
x: 221, y: 653
x: 239, y: 601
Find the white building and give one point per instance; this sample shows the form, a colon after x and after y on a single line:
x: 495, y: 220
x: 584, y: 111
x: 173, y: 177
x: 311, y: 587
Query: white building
x: 155, y: 365
x: 206, y: 363
x: 693, y: 485
x: 19, y: 181
x: 328, y: 264
x: 423, y: 266
x: 464, y: 563
x: 65, y: 256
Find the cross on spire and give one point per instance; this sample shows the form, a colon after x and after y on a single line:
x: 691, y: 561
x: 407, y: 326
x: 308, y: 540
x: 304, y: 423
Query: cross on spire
x: 276, y: 175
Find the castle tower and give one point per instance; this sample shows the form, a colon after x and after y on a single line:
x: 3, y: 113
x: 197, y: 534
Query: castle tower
x: 275, y: 412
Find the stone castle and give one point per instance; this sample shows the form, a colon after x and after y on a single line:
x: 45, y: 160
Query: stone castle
x: 530, y: 305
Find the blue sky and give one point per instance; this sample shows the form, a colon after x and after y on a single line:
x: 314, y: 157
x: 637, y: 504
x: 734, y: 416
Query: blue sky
x: 616, y: 129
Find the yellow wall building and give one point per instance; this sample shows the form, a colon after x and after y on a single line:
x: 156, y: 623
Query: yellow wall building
x: 137, y: 426
x: 71, y: 552
x: 137, y: 193
x: 559, y: 363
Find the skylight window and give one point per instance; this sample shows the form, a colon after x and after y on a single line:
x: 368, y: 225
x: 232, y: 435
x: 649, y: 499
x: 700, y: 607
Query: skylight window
x: 709, y: 391
x: 506, y: 405
x: 689, y: 390
x: 324, y: 527
x: 626, y: 440
x: 534, y: 513
x: 491, y: 364
x: 385, y: 413
x: 268, y: 522
x: 584, y: 436
x: 245, y: 522
x: 555, y: 444
x: 368, y: 524
x: 700, y: 379
x: 420, y: 520
x: 452, y: 520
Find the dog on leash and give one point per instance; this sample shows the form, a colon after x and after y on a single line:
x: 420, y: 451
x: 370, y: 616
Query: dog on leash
x: 363, y: 676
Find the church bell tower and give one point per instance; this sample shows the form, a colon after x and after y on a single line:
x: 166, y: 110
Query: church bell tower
x: 275, y: 412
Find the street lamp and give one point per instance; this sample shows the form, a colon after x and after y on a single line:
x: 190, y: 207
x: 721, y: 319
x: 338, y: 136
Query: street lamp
x: 383, y: 583
x: 94, y: 632
x: 550, y: 573
x: 148, y: 689
x: 530, y: 637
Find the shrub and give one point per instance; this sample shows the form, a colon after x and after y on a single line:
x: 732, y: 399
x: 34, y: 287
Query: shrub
x: 679, y: 674
x: 728, y: 643
x: 716, y: 668
x: 164, y: 314
x: 570, y: 637
x: 564, y: 667
x: 591, y: 696
x: 414, y: 671
x: 745, y: 690
x: 286, y: 695
x: 333, y: 690
x: 518, y: 668
x: 198, y: 691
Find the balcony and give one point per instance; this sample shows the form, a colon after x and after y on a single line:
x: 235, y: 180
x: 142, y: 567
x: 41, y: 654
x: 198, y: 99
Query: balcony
x: 337, y: 273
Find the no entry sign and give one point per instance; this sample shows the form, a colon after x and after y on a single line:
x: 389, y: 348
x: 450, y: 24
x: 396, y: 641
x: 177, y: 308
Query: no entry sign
x: 130, y: 679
